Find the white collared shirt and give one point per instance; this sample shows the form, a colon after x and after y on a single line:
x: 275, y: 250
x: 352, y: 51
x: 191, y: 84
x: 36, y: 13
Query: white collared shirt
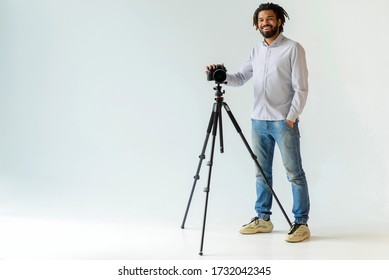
x: 280, y: 79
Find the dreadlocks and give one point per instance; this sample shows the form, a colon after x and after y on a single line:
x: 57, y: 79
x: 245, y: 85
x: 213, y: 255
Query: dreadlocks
x: 278, y: 10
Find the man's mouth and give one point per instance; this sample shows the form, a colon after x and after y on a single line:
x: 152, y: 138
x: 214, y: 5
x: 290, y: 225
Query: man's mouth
x: 266, y: 28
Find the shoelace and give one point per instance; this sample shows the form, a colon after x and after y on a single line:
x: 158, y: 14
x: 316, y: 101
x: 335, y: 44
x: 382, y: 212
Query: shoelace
x: 252, y: 220
x: 294, y: 228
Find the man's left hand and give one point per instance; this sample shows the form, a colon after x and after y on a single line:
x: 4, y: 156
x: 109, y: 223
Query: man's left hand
x: 290, y: 123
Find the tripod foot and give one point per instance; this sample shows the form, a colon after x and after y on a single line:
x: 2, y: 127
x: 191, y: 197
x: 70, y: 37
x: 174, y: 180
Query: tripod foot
x: 201, y: 253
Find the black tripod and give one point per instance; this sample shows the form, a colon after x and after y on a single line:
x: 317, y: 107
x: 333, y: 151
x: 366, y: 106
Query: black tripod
x: 216, y: 118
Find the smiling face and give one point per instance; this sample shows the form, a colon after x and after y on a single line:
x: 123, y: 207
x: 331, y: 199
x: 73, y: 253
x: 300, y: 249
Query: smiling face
x: 268, y: 25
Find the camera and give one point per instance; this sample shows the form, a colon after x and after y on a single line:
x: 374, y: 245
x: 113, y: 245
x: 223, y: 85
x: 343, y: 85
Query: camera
x: 218, y: 74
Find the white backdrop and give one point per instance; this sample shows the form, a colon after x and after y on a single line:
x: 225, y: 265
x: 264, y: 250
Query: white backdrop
x: 104, y: 107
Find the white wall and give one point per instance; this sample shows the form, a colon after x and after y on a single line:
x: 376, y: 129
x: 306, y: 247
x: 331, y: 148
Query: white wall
x: 104, y: 106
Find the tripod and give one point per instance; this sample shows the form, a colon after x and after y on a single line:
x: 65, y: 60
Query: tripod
x: 215, y: 120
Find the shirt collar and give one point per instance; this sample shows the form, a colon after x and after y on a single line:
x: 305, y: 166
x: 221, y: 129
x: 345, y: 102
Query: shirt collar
x: 276, y: 42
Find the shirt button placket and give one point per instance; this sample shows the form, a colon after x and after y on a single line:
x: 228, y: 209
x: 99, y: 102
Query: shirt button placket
x: 265, y: 75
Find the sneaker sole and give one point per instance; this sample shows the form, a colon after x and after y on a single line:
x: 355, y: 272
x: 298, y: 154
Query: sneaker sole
x: 297, y: 241
x: 256, y: 232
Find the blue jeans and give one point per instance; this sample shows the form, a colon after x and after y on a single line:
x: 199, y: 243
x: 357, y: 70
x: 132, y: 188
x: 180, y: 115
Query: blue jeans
x: 265, y: 134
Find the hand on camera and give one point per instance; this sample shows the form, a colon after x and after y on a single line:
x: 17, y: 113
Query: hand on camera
x: 211, y: 67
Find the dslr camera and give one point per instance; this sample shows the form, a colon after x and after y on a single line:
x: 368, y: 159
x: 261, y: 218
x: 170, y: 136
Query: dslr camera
x: 218, y: 74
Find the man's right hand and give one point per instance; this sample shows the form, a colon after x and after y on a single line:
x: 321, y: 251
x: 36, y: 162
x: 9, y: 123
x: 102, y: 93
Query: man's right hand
x: 211, y: 67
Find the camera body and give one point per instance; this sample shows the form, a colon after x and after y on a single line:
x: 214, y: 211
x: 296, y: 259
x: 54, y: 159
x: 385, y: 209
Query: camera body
x: 218, y: 74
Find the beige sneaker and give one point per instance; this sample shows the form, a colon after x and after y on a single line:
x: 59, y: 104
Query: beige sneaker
x: 298, y: 233
x: 257, y: 226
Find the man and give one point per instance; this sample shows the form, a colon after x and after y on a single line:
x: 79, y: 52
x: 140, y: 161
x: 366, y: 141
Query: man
x: 280, y: 76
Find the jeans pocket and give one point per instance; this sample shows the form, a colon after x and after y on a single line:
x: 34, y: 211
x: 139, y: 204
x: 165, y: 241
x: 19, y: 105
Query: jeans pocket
x: 287, y: 126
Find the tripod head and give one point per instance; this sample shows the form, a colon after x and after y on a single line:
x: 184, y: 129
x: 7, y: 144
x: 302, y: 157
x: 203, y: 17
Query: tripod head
x: 219, y: 92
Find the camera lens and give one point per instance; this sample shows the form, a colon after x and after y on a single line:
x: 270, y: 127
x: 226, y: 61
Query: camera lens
x: 219, y: 76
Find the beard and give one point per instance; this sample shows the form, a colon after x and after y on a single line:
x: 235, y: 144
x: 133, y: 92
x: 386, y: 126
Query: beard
x: 268, y: 34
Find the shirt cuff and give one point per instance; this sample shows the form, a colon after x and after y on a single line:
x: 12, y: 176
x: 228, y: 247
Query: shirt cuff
x: 292, y: 117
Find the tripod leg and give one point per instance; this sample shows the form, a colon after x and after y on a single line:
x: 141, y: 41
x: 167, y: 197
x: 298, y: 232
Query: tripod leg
x: 217, y: 113
x: 202, y: 157
x: 221, y: 132
x: 239, y: 130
